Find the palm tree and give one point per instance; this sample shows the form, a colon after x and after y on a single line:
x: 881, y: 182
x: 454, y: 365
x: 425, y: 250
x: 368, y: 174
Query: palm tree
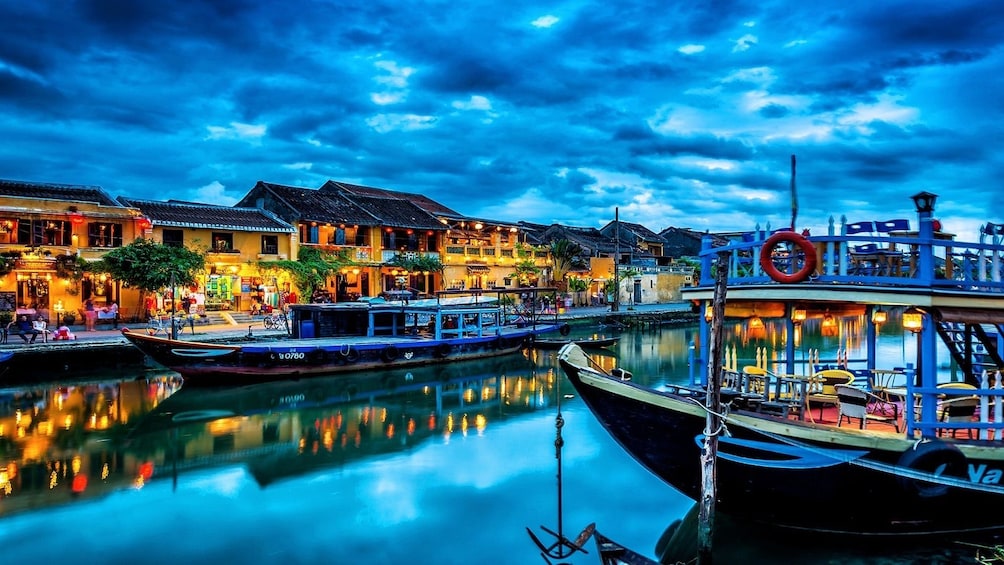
x: 566, y: 256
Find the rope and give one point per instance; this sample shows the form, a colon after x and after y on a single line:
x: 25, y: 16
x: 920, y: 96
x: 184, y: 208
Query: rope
x: 888, y: 468
x: 722, y: 418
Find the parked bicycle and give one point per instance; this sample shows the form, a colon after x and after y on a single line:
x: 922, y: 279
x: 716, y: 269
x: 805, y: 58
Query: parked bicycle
x: 158, y: 324
x: 277, y: 320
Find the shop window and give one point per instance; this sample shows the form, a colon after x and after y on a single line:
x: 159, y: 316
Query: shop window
x: 270, y: 244
x: 223, y: 242
x: 104, y: 234
x: 174, y: 238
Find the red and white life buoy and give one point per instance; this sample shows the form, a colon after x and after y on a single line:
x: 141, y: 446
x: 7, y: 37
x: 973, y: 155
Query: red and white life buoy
x: 767, y: 261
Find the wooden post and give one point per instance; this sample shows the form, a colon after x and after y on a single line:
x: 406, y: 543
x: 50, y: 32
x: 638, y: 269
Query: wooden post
x: 709, y: 458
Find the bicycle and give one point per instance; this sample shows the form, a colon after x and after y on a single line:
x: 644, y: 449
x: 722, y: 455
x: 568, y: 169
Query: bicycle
x: 158, y: 324
x: 276, y: 320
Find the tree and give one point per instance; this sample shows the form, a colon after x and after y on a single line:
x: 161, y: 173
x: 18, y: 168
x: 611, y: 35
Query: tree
x: 150, y: 266
x: 566, y: 256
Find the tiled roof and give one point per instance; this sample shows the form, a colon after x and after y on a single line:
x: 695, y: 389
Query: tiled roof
x: 420, y: 200
x: 638, y: 230
x: 50, y: 191
x: 316, y: 206
x: 174, y: 213
x: 398, y: 212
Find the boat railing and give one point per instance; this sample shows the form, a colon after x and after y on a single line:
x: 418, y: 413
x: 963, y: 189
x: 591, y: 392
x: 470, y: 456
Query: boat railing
x: 895, y: 259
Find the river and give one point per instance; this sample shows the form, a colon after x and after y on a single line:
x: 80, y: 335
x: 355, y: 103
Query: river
x: 444, y: 465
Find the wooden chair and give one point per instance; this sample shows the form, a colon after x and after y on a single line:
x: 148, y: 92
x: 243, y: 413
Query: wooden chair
x: 853, y: 402
x: 958, y: 410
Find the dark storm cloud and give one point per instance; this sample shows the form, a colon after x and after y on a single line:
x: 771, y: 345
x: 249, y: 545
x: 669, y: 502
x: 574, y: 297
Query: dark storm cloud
x: 678, y: 113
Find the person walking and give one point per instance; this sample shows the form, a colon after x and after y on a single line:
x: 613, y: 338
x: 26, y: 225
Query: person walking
x: 90, y: 315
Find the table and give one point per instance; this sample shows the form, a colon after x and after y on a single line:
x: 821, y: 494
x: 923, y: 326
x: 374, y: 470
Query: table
x: 945, y: 236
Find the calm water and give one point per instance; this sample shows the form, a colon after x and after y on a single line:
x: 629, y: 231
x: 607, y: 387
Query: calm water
x: 436, y: 465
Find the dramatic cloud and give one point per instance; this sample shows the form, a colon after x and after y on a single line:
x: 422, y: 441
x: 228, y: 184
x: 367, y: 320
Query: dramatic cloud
x: 677, y: 114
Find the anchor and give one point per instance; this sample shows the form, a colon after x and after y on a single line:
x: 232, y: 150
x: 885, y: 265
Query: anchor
x: 561, y: 548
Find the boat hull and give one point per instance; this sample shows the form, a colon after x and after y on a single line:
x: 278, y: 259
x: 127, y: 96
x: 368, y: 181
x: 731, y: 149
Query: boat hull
x: 800, y: 475
x: 237, y: 363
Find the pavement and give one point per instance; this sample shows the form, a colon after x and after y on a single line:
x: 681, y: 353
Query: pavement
x: 203, y: 332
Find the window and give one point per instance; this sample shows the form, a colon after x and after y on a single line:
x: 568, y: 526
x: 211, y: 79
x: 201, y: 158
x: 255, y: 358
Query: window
x: 309, y: 233
x: 55, y: 232
x: 103, y: 234
x: 270, y: 244
x: 223, y: 242
x: 174, y: 238
x: 339, y: 238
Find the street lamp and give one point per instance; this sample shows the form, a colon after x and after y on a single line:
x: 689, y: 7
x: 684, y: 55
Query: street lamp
x: 924, y: 201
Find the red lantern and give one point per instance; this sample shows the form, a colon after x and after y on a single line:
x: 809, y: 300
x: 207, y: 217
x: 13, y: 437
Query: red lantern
x: 76, y: 218
x: 936, y: 224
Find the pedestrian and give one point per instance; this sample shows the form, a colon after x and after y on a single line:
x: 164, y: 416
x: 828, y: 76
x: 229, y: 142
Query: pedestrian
x: 90, y: 315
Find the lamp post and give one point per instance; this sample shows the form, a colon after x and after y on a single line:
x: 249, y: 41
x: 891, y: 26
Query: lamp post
x: 913, y: 321
x: 924, y: 202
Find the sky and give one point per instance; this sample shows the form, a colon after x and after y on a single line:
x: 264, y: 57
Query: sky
x: 674, y: 114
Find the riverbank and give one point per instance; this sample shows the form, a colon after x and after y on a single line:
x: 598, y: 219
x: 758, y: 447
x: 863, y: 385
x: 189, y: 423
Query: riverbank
x: 106, y: 348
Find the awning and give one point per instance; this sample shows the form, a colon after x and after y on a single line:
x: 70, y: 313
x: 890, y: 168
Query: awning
x: 477, y: 269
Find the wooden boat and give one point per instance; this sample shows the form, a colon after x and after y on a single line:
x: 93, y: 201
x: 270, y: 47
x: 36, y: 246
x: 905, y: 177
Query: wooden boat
x: 335, y: 338
x: 586, y: 342
x: 918, y: 469
x: 613, y: 553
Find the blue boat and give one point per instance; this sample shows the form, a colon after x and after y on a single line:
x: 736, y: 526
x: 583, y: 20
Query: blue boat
x: 356, y: 336
x: 836, y: 448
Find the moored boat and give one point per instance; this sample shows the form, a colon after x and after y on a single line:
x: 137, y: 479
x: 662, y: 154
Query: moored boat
x: 335, y: 338
x: 586, y: 342
x: 861, y: 457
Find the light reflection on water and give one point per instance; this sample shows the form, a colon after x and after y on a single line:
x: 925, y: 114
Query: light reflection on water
x: 441, y: 464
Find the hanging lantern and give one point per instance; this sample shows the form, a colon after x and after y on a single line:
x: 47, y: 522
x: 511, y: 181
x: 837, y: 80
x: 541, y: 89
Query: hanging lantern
x: 879, y: 317
x: 913, y: 320
x: 798, y: 315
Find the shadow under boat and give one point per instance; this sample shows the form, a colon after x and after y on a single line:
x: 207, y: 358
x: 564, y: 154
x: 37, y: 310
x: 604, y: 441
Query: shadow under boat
x: 740, y: 541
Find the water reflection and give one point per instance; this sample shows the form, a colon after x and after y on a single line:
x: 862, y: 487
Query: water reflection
x: 66, y: 443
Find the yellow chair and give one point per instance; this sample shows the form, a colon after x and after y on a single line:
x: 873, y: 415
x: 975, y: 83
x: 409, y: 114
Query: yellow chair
x: 822, y: 387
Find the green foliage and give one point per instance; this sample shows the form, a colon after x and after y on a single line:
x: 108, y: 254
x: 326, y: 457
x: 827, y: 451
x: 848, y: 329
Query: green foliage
x: 417, y: 263
x: 5, y: 318
x: 566, y: 257
x: 575, y: 284
x: 150, y: 266
x: 7, y: 259
x: 525, y: 271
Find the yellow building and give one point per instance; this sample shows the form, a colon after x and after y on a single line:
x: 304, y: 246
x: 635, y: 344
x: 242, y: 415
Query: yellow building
x: 234, y: 240
x: 43, y: 229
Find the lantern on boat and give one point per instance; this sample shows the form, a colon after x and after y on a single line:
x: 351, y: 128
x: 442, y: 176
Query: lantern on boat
x: 798, y: 315
x: 913, y: 320
x: 879, y: 317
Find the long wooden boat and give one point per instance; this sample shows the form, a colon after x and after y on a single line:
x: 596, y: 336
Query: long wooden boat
x: 586, y: 342
x: 336, y: 338
x: 908, y: 463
